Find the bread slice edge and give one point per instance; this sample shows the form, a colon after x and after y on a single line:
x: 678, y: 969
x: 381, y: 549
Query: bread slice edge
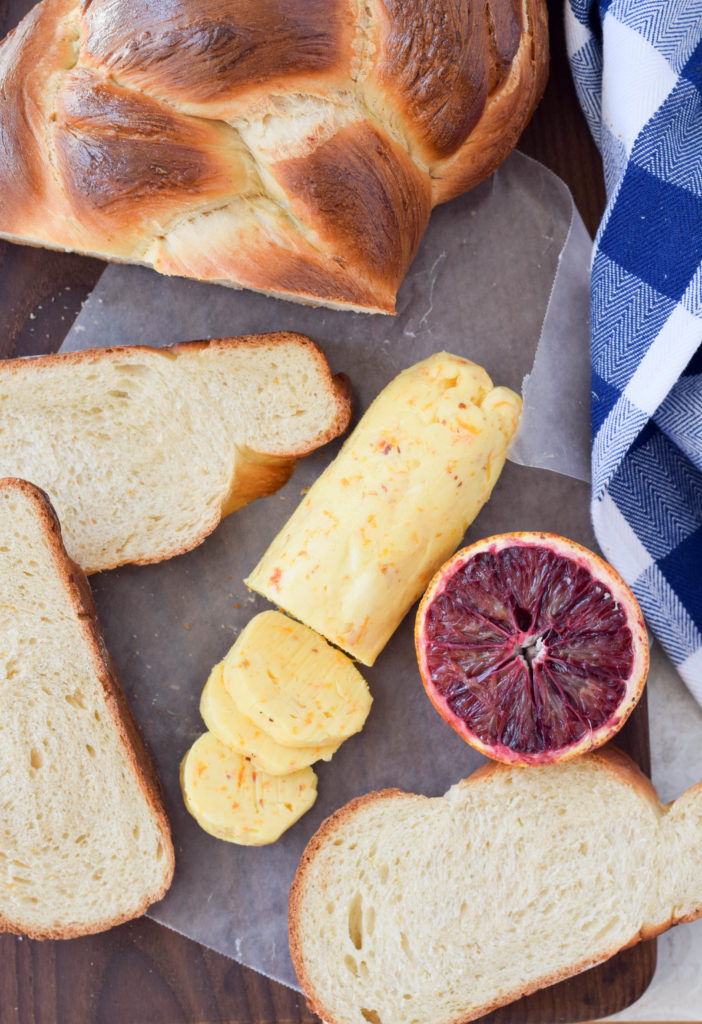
x: 338, y: 384
x: 255, y: 472
x: 135, y: 752
x: 613, y: 760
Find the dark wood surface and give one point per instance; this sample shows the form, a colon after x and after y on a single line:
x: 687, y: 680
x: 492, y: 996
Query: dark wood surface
x: 142, y: 973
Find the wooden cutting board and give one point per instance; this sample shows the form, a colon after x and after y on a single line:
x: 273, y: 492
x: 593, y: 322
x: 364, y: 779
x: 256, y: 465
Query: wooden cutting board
x: 142, y: 972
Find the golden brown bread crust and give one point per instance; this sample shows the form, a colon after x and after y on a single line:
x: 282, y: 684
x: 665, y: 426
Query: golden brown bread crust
x: 291, y: 146
x: 415, y: 37
x: 610, y: 758
x: 364, y: 197
x: 506, y: 110
x: 127, y: 156
x: 216, y: 49
x: 28, y: 57
x: 135, y: 752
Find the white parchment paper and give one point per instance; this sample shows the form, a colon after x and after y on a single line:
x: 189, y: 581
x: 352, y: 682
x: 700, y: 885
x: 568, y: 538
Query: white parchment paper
x: 482, y: 285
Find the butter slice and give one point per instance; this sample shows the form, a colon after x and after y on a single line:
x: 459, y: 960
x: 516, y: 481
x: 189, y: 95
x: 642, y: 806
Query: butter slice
x: 233, y: 800
x: 290, y: 682
x: 393, y: 506
x: 231, y: 727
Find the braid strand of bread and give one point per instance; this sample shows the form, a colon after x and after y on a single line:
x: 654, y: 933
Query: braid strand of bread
x: 295, y: 147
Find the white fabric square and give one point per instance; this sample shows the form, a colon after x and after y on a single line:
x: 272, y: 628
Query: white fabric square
x: 577, y: 35
x: 623, y: 548
x: 635, y: 81
x: 666, y: 358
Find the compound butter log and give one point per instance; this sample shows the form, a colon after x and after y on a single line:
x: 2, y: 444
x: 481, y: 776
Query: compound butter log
x: 393, y: 506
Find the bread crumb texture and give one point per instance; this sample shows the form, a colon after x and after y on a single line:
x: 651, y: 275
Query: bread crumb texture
x: 81, y: 845
x: 409, y: 910
x: 142, y: 451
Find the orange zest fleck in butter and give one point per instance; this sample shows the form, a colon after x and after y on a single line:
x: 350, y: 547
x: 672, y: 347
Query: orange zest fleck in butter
x: 230, y: 726
x: 290, y: 683
x: 233, y: 800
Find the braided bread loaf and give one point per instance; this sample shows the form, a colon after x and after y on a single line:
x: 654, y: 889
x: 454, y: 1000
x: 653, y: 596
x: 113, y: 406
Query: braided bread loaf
x: 291, y: 146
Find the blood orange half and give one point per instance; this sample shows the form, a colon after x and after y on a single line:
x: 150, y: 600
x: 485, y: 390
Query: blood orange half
x: 531, y: 647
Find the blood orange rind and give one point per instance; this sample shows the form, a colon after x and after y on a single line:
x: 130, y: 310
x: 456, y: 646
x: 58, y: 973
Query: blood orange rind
x: 516, y: 684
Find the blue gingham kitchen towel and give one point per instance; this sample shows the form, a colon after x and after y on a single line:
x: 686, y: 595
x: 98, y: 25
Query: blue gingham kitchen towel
x: 637, y: 66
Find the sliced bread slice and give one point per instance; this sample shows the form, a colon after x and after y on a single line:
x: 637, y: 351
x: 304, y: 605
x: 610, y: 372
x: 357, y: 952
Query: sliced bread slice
x: 143, y: 450
x: 84, y: 839
x: 406, y: 909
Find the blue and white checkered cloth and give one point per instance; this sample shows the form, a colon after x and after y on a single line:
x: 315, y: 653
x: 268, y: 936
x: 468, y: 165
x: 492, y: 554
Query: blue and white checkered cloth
x: 637, y: 66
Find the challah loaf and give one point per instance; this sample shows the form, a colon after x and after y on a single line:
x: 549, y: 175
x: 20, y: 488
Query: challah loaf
x: 84, y: 842
x: 295, y: 147
x: 144, y: 450
x: 408, y: 909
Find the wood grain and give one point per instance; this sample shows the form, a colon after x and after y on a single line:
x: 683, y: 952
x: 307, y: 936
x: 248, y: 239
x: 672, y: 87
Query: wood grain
x: 142, y: 973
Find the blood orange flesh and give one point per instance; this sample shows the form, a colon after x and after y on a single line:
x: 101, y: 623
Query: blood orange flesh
x: 531, y: 647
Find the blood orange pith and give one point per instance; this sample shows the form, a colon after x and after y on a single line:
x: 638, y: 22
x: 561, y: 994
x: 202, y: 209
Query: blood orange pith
x: 531, y: 647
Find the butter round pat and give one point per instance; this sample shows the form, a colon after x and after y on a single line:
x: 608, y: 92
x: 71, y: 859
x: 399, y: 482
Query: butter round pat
x: 233, y: 800
x: 289, y: 681
x: 393, y: 506
x: 231, y: 727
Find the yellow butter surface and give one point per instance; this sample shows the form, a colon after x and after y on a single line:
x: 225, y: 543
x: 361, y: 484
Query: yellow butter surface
x: 393, y: 506
x: 226, y: 722
x: 289, y: 681
x: 233, y: 800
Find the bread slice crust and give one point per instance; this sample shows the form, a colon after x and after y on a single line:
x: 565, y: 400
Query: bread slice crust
x: 614, y: 762
x: 244, y: 471
x: 338, y: 385
x: 134, y: 749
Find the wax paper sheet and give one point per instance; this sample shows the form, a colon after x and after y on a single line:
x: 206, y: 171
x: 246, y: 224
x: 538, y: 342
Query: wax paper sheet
x: 482, y: 285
